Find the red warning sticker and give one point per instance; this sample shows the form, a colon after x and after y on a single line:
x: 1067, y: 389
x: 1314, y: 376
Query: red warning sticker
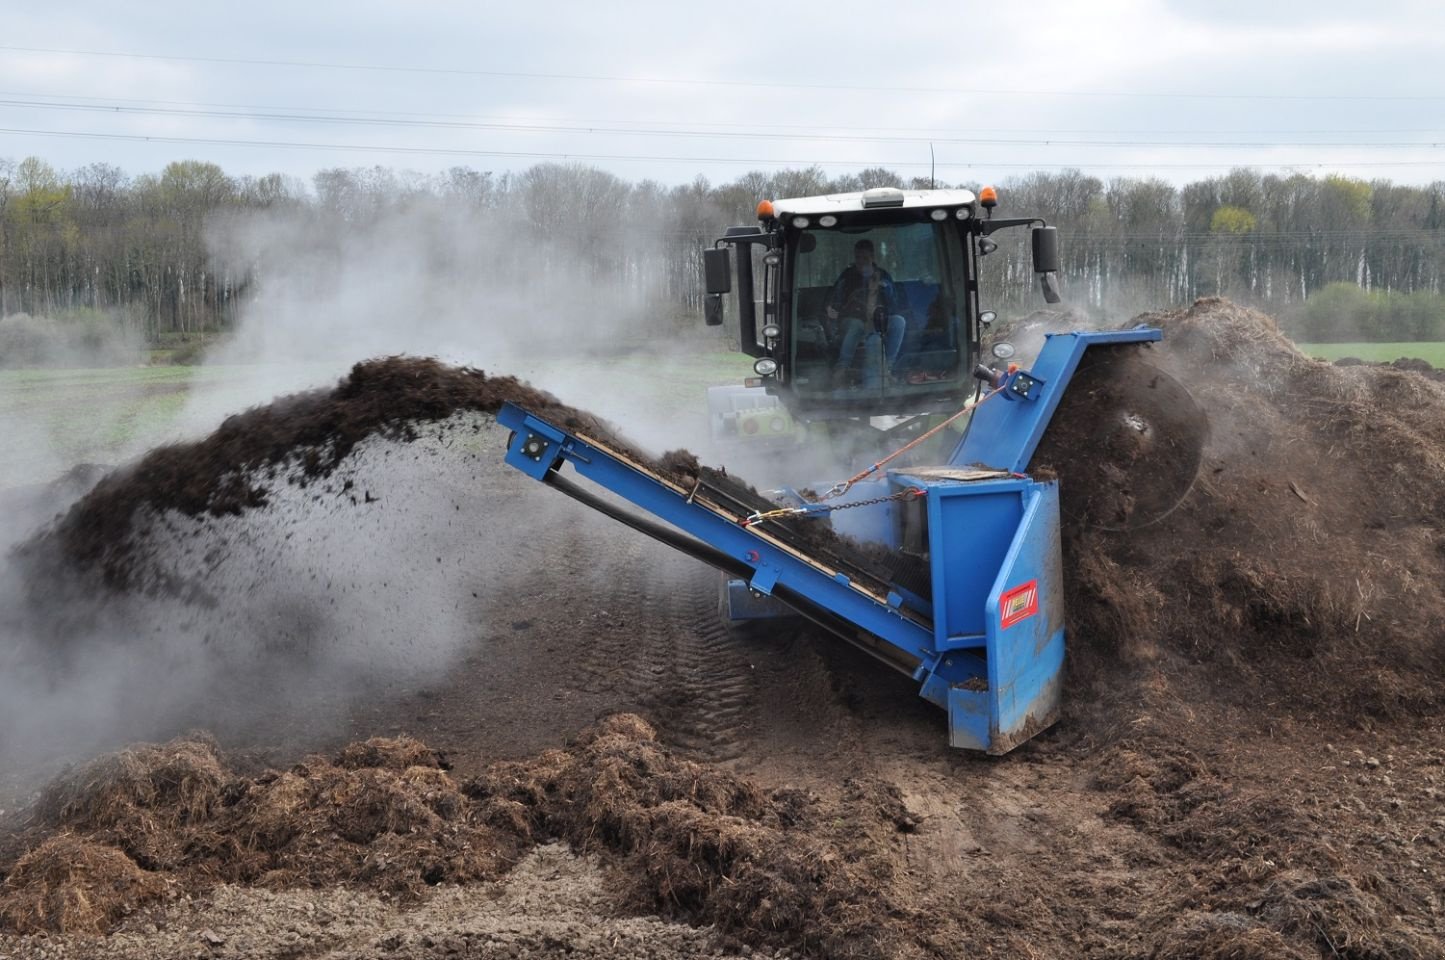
x: 1020, y: 603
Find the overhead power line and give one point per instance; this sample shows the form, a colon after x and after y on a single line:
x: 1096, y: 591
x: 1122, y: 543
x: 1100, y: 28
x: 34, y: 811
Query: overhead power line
x: 791, y: 162
x: 922, y: 133
x: 594, y: 129
x: 710, y: 82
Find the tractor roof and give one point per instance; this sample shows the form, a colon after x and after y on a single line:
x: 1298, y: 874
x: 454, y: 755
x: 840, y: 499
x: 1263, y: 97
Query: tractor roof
x: 877, y: 198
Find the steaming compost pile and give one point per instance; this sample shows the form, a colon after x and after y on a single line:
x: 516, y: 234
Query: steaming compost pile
x: 302, y: 438
x: 1250, y: 765
x: 1309, y: 558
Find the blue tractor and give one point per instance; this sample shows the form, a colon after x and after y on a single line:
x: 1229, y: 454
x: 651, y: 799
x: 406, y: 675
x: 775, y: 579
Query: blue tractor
x: 863, y: 312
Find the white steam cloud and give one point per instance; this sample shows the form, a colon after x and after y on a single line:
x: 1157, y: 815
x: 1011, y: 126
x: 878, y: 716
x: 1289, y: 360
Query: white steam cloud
x: 383, y: 573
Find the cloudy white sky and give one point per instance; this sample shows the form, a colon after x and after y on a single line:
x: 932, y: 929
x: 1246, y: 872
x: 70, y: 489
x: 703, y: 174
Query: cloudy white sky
x: 1179, y: 89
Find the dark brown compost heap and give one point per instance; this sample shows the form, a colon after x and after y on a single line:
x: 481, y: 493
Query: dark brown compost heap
x: 71, y: 885
x: 1309, y: 557
x: 302, y: 437
x: 382, y: 813
x: 705, y: 846
x: 691, y: 842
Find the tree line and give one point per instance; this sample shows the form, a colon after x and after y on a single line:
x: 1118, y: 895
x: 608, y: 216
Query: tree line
x: 142, y: 248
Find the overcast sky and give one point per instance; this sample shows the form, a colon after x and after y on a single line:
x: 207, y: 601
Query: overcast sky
x: 1179, y: 89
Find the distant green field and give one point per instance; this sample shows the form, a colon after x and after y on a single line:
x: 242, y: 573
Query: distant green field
x: 51, y: 419
x: 60, y: 417
x: 1434, y: 353
x: 666, y: 381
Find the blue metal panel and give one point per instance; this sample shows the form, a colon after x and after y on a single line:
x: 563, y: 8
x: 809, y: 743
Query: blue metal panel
x: 970, y: 527
x: 1004, y: 432
x: 1000, y: 685
x: 970, y: 718
x: 1026, y: 627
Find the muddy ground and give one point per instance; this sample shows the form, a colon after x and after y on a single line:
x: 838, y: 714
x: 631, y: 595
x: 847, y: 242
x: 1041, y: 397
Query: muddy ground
x: 1250, y: 763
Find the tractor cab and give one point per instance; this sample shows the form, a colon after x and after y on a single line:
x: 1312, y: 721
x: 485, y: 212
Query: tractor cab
x: 864, y: 304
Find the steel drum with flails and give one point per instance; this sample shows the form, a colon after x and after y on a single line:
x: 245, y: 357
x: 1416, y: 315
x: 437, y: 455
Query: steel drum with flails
x: 1126, y: 442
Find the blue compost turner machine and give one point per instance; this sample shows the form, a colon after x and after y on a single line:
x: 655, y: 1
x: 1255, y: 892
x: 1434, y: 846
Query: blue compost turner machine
x: 974, y: 611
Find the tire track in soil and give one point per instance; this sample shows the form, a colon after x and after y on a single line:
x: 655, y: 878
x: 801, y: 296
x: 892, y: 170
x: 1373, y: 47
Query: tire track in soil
x: 705, y: 692
x: 608, y: 661
x: 654, y: 642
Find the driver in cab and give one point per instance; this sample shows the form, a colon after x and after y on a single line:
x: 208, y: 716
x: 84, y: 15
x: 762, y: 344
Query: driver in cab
x: 865, y: 297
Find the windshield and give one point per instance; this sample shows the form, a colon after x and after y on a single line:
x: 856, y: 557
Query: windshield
x: 877, y: 312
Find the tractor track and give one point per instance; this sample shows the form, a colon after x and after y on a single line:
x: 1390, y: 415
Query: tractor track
x: 708, y: 703
x: 650, y: 640
x: 609, y: 660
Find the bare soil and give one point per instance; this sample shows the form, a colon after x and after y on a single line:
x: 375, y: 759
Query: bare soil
x: 1250, y: 764
x: 552, y: 903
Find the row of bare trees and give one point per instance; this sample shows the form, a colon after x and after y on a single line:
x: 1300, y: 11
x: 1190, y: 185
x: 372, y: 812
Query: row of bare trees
x: 1264, y: 239
x: 143, y: 247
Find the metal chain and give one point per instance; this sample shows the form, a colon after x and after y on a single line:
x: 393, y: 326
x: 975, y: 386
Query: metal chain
x: 815, y: 509
x: 908, y: 494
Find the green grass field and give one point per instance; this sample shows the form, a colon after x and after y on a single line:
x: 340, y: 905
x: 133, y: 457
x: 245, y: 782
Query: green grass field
x: 55, y: 418
x: 51, y: 419
x: 1434, y: 353
x: 668, y: 381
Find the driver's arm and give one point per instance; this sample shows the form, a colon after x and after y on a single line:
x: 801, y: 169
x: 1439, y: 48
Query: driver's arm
x: 835, y: 296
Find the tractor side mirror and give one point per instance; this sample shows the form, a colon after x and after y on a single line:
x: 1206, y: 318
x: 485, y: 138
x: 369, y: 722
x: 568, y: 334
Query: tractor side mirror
x: 717, y: 271
x: 712, y: 309
x: 1046, y: 249
x: 1046, y: 261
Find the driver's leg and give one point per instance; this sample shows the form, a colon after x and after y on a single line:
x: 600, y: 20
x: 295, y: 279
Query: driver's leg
x: 852, y: 333
x: 897, y: 330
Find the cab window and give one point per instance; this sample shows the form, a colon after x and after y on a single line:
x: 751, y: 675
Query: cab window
x: 877, y: 311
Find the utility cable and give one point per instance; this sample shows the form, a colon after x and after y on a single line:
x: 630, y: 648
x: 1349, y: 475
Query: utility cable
x: 578, y: 156
x: 812, y: 128
x: 704, y: 82
x: 520, y: 127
